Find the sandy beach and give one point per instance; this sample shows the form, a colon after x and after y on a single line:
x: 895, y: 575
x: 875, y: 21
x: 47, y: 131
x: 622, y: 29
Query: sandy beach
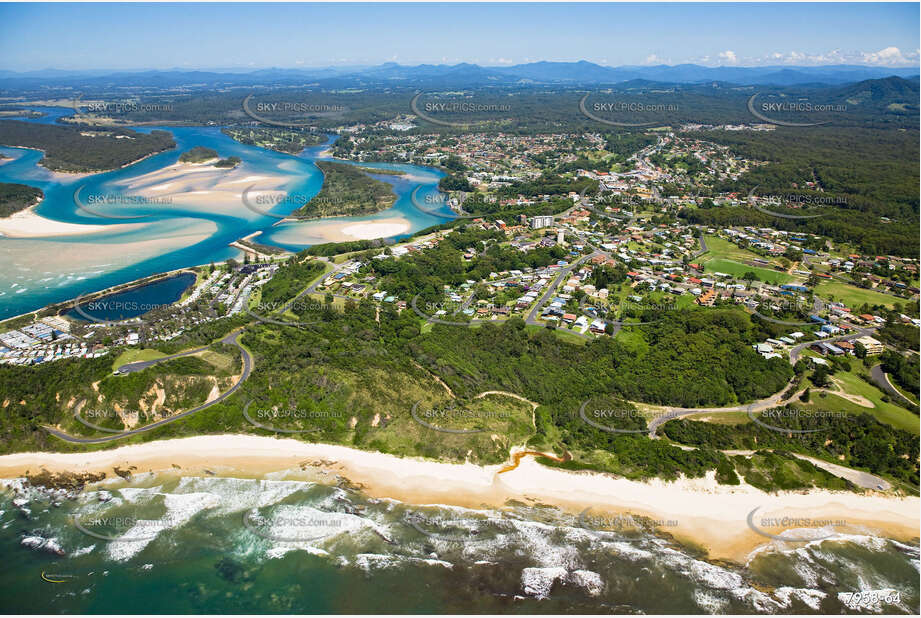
x: 320, y: 231
x: 698, y: 511
x: 202, y: 185
x: 27, y: 224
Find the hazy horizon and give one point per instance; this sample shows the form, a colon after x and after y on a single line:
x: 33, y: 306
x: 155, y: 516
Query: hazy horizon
x: 248, y: 36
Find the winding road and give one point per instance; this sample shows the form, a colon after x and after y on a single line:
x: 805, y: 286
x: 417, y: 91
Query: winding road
x: 882, y: 380
x: 230, y: 339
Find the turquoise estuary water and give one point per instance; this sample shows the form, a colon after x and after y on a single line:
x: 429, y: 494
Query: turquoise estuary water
x: 40, y: 271
x: 179, y: 544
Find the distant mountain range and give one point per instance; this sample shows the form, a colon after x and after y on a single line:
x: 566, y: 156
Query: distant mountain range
x: 580, y: 73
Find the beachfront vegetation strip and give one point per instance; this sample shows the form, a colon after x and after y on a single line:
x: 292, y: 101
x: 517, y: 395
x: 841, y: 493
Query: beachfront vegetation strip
x: 855, y: 440
x: 347, y: 192
x: 72, y: 149
x: 15, y: 197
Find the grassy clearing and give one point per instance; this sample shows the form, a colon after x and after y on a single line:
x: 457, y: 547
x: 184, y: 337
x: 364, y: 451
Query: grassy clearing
x: 854, y: 384
x: 721, y: 418
x: 136, y: 355
x: 494, y: 424
x: 724, y: 256
x: 737, y: 269
x: 853, y: 296
x: 720, y: 248
x: 221, y: 361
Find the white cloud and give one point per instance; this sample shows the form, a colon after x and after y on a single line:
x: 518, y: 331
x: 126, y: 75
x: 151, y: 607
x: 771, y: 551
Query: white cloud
x: 653, y: 59
x: 890, y: 56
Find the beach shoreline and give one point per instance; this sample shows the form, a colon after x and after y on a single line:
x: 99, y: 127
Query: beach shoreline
x: 316, y: 231
x: 698, y: 512
x: 26, y: 223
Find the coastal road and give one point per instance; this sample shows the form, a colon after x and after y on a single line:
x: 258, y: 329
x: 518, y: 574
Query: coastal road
x: 882, y: 380
x: 231, y: 339
x: 673, y: 413
x: 142, y: 365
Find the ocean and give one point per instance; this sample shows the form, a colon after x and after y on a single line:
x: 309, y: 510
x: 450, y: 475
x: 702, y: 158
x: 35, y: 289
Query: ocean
x: 169, y: 543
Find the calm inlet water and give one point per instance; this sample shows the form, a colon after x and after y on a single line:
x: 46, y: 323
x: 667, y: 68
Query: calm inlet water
x: 40, y: 271
x: 174, y: 544
x: 133, y: 302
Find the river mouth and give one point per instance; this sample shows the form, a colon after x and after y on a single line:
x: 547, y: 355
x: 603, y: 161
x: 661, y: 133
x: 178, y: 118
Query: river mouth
x: 184, y: 225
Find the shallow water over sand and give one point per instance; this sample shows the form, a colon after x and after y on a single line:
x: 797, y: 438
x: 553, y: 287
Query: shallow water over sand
x: 203, y: 215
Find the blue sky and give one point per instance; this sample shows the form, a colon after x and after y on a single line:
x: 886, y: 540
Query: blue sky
x: 132, y: 36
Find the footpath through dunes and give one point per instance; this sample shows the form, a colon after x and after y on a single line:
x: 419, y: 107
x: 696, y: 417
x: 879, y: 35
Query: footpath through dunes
x: 230, y: 339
